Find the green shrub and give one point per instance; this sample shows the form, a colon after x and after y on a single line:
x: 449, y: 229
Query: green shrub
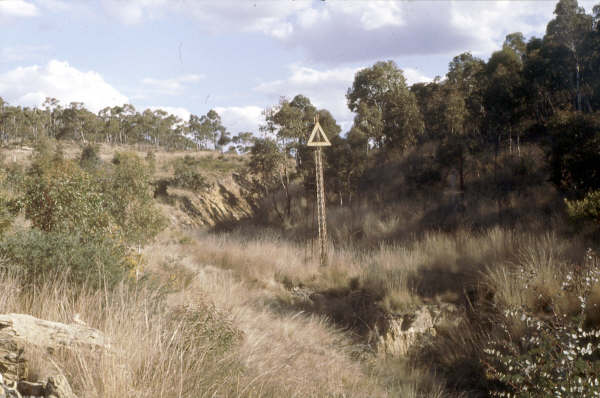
x: 575, y: 152
x: 89, y: 159
x: 131, y: 200
x: 38, y: 255
x: 62, y: 197
x: 187, y: 176
x: 151, y: 161
x: 587, y: 209
x: 6, y: 217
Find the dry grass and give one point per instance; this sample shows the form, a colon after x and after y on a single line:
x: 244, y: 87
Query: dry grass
x: 439, y: 266
x: 212, y: 328
x: 171, y: 351
x: 211, y: 337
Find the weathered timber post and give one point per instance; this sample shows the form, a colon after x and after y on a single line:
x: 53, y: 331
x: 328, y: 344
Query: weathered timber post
x: 318, y: 139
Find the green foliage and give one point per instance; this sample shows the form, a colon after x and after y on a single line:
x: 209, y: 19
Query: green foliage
x: 83, y: 222
x: 265, y: 160
x: 586, y: 209
x: 62, y: 197
x: 575, y: 152
x: 386, y: 109
x: 37, y: 254
x: 187, y: 175
x: 131, y: 200
x: 6, y: 216
x: 89, y: 158
x: 243, y: 141
x: 151, y: 161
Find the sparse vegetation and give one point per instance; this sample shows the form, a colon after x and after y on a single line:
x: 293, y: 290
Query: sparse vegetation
x: 475, y: 198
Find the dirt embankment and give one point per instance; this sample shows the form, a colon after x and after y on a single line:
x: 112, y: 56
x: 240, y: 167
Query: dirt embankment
x: 228, y: 199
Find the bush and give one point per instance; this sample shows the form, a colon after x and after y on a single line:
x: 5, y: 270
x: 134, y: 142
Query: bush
x: 575, y: 152
x: 39, y: 255
x: 89, y: 159
x: 6, y: 217
x: 555, y: 356
x: 130, y: 196
x: 187, y: 176
x: 587, y: 209
x: 62, y: 197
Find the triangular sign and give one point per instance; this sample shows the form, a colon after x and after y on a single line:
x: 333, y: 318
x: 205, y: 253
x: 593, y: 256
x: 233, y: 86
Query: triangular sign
x: 318, y: 137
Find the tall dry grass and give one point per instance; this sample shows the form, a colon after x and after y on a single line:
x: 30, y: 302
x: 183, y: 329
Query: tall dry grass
x: 207, y: 326
x: 212, y: 339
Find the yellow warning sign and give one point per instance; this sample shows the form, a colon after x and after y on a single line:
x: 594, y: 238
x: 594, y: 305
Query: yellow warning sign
x: 318, y: 137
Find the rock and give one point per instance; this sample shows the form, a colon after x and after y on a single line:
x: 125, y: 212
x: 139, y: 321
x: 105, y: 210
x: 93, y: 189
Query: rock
x: 8, y: 390
x: 405, y: 330
x: 58, y: 387
x: 48, y: 334
x: 20, y: 333
x: 23, y: 336
x: 29, y: 388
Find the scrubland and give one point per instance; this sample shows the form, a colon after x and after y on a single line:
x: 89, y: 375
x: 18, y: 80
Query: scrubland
x: 246, y: 310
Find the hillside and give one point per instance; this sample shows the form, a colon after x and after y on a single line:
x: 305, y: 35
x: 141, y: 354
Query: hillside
x: 403, y: 308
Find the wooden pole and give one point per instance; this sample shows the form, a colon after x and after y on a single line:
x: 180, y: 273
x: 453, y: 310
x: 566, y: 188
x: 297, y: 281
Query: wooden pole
x: 318, y: 139
x: 322, y: 218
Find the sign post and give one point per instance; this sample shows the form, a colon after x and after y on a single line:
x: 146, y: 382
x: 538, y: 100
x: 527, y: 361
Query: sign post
x: 318, y: 139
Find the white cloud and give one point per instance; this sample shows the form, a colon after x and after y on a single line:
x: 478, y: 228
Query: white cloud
x: 414, y: 76
x: 171, y: 86
x: 54, y: 5
x: 132, y: 11
x: 21, y: 52
x: 180, y: 112
x: 360, y: 31
x: 17, y: 8
x: 352, y: 31
x: 30, y: 85
x: 241, y: 118
x: 325, y: 88
x: 224, y: 15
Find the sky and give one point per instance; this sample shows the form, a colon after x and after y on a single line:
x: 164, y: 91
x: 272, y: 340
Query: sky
x: 239, y: 56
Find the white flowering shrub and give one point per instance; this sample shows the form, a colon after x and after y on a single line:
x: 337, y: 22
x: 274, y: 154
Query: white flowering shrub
x: 556, y: 356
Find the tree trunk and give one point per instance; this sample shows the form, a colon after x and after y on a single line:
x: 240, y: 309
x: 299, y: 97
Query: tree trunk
x: 461, y: 170
x: 578, y: 91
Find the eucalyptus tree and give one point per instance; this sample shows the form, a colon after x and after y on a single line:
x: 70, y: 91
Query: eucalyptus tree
x: 290, y: 124
x: 504, y: 95
x: 54, y: 109
x: 566, y: 33
x: 243, y: 141
x: 211, y: 128
x: 197, y: 132
x: 386, y: 110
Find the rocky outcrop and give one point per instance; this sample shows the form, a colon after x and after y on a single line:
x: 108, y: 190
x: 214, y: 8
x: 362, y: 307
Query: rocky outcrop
x: 405, y: 330
x: 227, y: 200
x: 55, y: 387
x: 23, y: 337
